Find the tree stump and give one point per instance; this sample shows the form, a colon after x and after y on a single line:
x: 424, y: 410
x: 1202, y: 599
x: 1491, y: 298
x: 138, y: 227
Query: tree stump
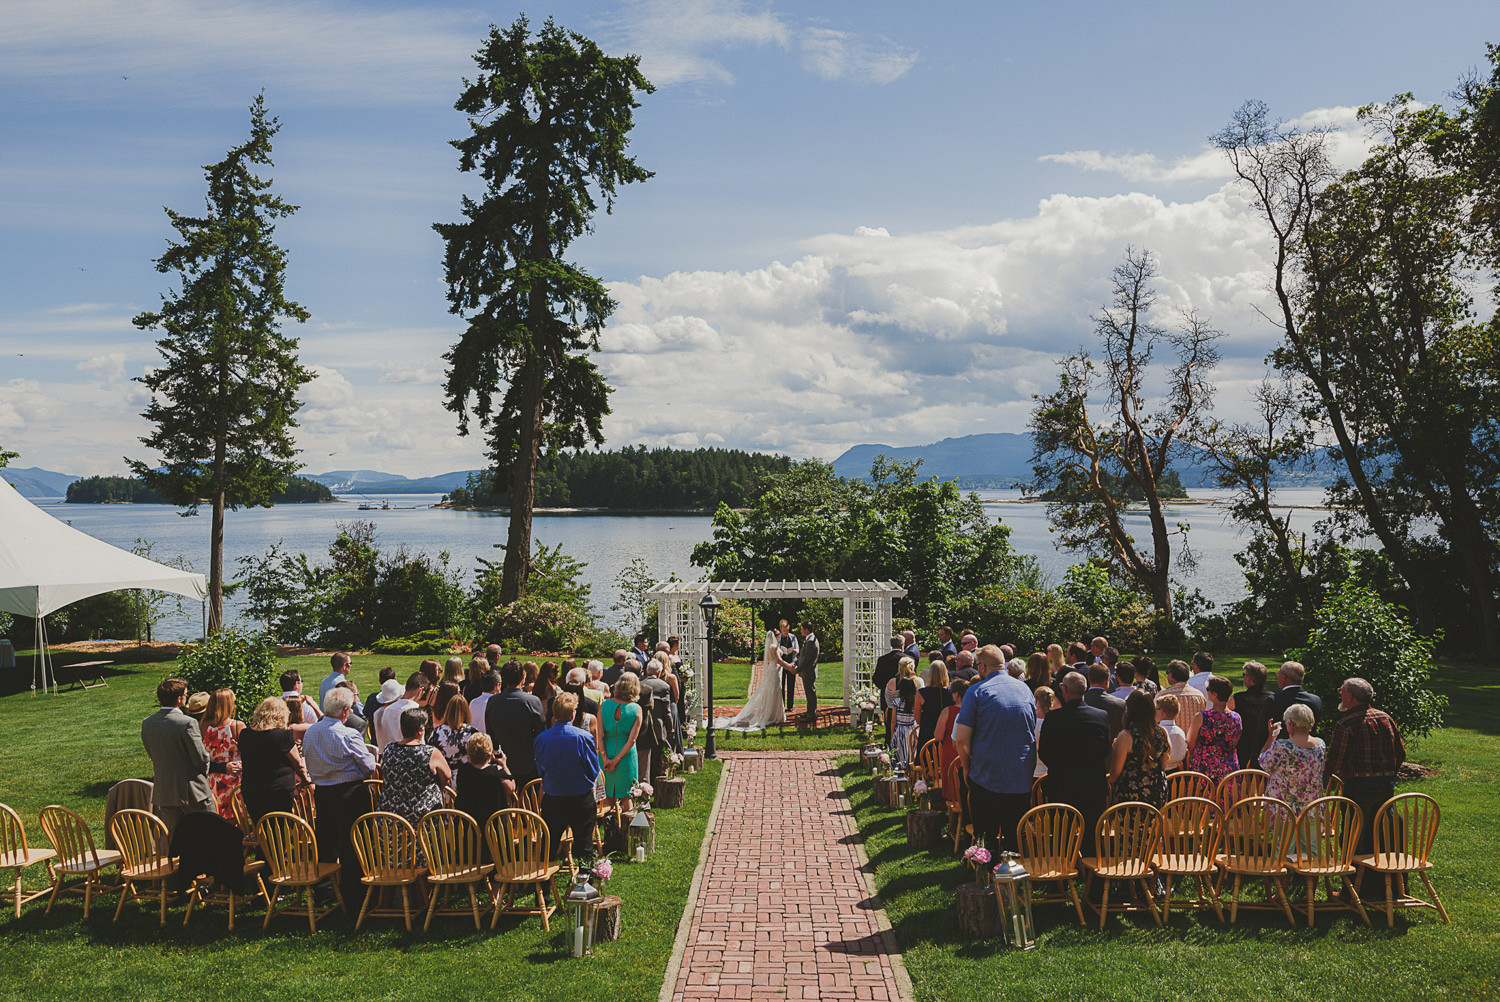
x: 669, y: 792
x: 924, y: 829
x: 978, y: 915
x: 607, y: 919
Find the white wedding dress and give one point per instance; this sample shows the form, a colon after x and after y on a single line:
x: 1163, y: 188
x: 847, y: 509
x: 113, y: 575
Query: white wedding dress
x: 765, y: 707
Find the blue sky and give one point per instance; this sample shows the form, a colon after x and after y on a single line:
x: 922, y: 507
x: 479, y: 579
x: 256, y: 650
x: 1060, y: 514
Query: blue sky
x: 870, y: 222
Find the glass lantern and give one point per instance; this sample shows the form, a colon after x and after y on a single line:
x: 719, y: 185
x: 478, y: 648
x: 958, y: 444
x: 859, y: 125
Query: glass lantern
x: 641, y: 836
x: 582, y: 901
x: 1013, y: 899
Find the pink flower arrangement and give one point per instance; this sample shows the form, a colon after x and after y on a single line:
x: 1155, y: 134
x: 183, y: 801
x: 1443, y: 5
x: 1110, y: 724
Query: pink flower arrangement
x: 976, y: 855
x: 604, y: 869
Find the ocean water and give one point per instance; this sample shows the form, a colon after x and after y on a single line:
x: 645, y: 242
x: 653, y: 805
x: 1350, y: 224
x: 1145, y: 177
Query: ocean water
x: 607, y: 543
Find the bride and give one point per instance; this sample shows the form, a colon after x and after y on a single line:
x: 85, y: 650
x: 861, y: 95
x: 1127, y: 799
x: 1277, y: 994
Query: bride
x: 765, y: 707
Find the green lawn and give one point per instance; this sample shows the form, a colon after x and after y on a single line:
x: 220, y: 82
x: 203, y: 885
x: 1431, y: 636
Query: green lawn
x: 1261, y: 956
x: 68, y: 749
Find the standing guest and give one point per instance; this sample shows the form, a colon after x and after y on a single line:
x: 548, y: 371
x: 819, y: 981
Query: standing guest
x: 196, y: 707
x: 1015, y: 667
x: 596, y: 680
x: 451, y: 737
x: 492, y: 654
x: 1097, y: 647
x: 338, y: 763
x: 340, y: 665
x: 1096, y: 697
x: 587, y: 718
x: 1289, y: 691
x: 996, y: 739
x: 1295, y: 762
x: 180, y: 763
x: 674, y: 647
x: 1251, y: 706
x: 1046, y: 699
x: 272, y: 764
x: 909, y: 646
x: 432, y: 675
x: 1213, y: 751
x: 1139, y: 755
x: 905, y: 668
x: 1147, y: 678
x: 1365, y: 750
x: 484, y: 784
x: 653, y: 737
x: 1111, y: 660
x: 412, y: 772
x: 569, y: 763
x: 1203, y: 670
x: 453, y: 671
x: 1166, y: 715
x: 513, y: 719
x: 545, y: 687
x: 291, y: 688
x: 221, y: 736
x: 932, y: 700
x: 529, y: 672
x: 904, y: 706
x: 945, y: 642
x: 967, y: 641
x: 447, y: 691
x: 1078, y: 656
x: 638, y: 650
x: 576, y: 682
x: 947, y: 749
x: 1057, y: 666
x: 373, y: 703
x: 1075, y: 746
x: 474, y: 678
x: 621, y: 717
x: 356, y: 721
x: 664, y: 673
x: 295, y: 719
x: 1190, y: 702
x: 387, y: 722
x: 1037, y: 672
x: 489, y: 685
x: 807, y: 669
x: 619, y: 667
x: 965, y: 667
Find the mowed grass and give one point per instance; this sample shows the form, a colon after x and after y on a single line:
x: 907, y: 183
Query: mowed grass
x: 1260, y: 957
x: 69, y: 749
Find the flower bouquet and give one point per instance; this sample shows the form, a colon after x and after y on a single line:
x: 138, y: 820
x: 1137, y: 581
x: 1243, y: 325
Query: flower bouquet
x: 920, y: 791
x: 642, y: 792
x: 673, y: 763
x: 603, y: 869
x: 978, y: 857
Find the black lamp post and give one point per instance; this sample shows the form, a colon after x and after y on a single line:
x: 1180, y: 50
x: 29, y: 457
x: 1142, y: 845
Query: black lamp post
x: 710, y: 608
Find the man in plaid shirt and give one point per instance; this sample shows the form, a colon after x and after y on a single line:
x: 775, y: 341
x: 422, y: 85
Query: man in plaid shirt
x: 1364, y: 751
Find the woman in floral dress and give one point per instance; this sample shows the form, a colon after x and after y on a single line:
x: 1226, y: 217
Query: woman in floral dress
x: 221, y: 736
x: 1214, y: 750
x: 451, y: 737
x: 1139, y: 754
x: 1295, y: 762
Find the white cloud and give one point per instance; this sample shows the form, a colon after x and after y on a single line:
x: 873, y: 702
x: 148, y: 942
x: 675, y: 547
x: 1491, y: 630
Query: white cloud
x: 674, y: 37
x: 403, y: 376
x: 840, y: 55
x: 108, y: 368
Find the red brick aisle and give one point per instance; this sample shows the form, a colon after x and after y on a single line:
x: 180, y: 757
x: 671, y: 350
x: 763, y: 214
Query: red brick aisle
x: 782, y: 908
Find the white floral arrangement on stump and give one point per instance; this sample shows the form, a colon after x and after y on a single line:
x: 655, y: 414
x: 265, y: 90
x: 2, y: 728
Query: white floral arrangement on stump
x: 642, y: 792
x: 673, y: 762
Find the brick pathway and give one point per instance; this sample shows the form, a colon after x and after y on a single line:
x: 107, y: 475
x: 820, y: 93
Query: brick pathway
x: 783, y: 909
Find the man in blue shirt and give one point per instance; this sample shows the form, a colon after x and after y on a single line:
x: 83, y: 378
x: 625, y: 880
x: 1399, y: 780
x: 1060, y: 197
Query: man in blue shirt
x: 996, y: 739
x: 338, y: 762
x: 568, y: 762
x: 341, y: 663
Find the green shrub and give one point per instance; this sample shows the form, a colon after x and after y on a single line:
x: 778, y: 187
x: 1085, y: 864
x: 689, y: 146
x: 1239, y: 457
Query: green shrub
x: 426, y: 642
x: 534, y: 624
x: 1357, y: 634
x: 1029, y: 619
x: 826, y: 616
x: 230, y: 659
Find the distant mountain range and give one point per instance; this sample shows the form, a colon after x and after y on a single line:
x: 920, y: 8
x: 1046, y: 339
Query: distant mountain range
x: 37, y: 483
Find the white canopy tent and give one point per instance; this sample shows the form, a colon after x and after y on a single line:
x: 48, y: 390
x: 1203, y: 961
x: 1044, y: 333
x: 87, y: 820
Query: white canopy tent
x: 46, y: 564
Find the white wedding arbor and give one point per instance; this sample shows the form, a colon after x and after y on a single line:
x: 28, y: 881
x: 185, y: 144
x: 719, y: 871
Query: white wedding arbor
x: 867, y: 617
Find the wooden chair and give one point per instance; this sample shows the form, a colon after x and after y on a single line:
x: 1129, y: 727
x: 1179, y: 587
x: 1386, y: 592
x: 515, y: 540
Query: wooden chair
x: 530, y: 797
x: 1182, y: 784
x: 450, y: 797
x: 958, y: 805
x: 373, y: 787
x: 1405, y: 828
x: 386, y: 845
x: 16, y: 855
x: 305, y: 806
x: 451, y: 841
x: 1190, y: 829
x: 1125, y: 839
x: 1240, y: 785
x: 143, y: 840
x: 1256, y: 834
x: 1038, y: 791
x: 76, y: 855
x: 291, y: 851
x: 202, y: 892
x: 1325, y: 835
x: 242, y: 818
x: 1333, y: 787
x: 520, y: 845
x: 1050, y: 836
x: 927, y: 769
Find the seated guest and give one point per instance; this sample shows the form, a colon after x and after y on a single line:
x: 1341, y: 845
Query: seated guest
x: 1046, y: 699
x: 338, y: 762
x: 568, y: 761
x: 1166, y: 715
x: 484, y: 784
x: 1295, y: 762
x: 1213, y: 751
x: 272, y: 765
x: 1139, y: 755
x: 451, y: 737
x: 413, y: 772
x: 932, y: 700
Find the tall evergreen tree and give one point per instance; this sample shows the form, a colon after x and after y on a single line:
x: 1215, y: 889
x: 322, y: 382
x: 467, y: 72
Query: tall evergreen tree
x: 224, y: 400
x: 551, y: 116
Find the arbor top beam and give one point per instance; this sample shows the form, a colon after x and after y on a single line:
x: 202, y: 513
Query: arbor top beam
x: 777, y: 589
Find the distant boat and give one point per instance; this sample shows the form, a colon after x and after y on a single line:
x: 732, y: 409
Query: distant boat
x: 372, y: 506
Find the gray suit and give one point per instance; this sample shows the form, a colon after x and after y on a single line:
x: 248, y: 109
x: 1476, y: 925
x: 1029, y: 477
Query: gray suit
x: 180, y: 761
x: 807, y: 669
x: 1114, y: 706
x: 655, y: 702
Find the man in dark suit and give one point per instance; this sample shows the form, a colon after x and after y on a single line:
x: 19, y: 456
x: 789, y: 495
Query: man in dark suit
x: 638, y: 650
x: 1289, y: 690
x: 1096, y: 697
x: 654, y: 735
x: 513, y: 718
x: 180, y: 762
x: 1075, y: 749
x: 945, y: 642
x: 886, y: 666
x: 807, y: 668
x: 621, y: 665
x: 912, y: 650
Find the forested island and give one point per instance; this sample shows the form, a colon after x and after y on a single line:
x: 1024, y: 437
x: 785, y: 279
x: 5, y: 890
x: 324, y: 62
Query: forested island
x: 635, y: 478
x: 132, y: 490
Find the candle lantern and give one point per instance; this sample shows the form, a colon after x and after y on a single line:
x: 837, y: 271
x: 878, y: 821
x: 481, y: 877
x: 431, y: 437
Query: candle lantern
x: 1013, y: 899
x: 582, y: 900
x: 641, y: 836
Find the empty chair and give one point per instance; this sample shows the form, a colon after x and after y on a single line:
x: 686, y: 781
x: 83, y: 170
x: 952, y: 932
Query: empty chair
x: 1050, y: 836
x: 1183, y: 783
x: 1187, y: 846
x: 1240, y: 785
x: 242, y: 818
x: 927, y: 768
x: 520, y: 846
x: 1405, y: 828
x: 372, y: 787
x: 1333, y: 786
x: 291, y: 852
x: 1038, y: 791
x: 1323, y: 846
x: 76, y: 855
x: 305, y: 805
x: 530, y: 797
x: 451, y: 841
x: 144, y: 844
x: 16, y: 855
x: 386, y: 845
x: 957, y: 804
x: 1125, y: 839
x: 1257, y: 832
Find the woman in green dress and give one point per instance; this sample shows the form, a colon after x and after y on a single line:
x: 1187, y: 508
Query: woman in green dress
x: 621, y: 717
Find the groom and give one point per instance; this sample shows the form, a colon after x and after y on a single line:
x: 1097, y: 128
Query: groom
x: 807, y: 668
